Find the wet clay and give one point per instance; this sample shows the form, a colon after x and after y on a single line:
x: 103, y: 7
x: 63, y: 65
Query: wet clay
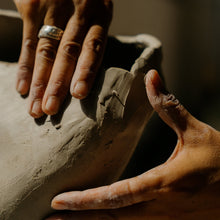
x: 88, y: 143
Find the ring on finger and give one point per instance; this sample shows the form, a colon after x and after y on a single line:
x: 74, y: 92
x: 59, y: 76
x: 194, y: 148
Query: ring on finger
x: 52, y: 32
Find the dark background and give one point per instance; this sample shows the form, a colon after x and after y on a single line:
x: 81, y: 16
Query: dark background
x: 190, y: 34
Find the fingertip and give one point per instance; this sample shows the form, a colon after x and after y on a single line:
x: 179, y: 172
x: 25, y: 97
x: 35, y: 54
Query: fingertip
x: 80, y: 90
x: 58, y: 205
x: 22, y: 87
x: 35, y: 110
x: 153, y: 85
x: 153, y: 81
x: 51, y: 105
x: 60, y: 202
x: 36, y: 116
x: 150, y: 76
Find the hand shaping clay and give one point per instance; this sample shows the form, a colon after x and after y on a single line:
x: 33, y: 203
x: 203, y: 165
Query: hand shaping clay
x: 87, y: 144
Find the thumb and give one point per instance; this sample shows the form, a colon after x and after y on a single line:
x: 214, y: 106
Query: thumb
x: 166, y: 105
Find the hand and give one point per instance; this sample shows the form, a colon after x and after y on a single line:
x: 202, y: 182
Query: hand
x: 186, y: 186
x: 48, y: 68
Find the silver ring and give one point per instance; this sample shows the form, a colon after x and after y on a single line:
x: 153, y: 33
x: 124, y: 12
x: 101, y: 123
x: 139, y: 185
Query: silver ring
x: 51, y: 32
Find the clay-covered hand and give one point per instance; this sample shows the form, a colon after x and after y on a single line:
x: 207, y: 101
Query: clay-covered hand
x: 186, y: 186
x: 48, y: 68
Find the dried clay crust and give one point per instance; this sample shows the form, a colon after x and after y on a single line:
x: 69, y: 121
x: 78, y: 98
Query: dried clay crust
x: 87, y: 144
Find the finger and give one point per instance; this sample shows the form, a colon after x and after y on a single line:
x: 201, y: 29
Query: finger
x: 152, y: 210
x: 89, y: 61
x: 45, y: 56
x: 64, y: 66
x: 166, y: 105
x: 92, y: 50
x: 145, y: 187
x: 31, y: 24
x: 27, y: 57
x: 69, y: 50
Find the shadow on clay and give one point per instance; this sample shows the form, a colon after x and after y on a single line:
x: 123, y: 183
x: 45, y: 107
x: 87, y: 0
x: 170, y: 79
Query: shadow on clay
x: 55, y: 119
x: 117, y: 54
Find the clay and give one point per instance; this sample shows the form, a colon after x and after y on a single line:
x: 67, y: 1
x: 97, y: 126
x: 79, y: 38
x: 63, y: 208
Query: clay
x: 87, y: 144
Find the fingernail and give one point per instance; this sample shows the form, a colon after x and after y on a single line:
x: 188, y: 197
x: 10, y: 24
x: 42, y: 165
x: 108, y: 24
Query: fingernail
x: 52, y: 105
x: 59, y: 205
x: 36, y: 109
x: 80, y: 89
x: 22, y: 87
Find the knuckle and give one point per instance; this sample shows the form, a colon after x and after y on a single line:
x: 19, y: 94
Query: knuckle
x: 58, y: 88
x: 109, y: 4
x: 71, y: 50
x: 28, y: 7
x: 80, y: 5
x: 97, y: 8
x: 105, y: 12
x: 47, y: 51
x: 109, y: 7
x: 171, y: 102
x: 94, y: 44
x: 24, y: 71
x: 37, y: 88
x: 30, y: 44
x: 34, y: 3
x: 87, y: 73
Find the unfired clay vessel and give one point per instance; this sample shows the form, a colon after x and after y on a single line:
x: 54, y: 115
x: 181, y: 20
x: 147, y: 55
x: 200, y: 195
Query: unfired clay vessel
x: 87, y: 144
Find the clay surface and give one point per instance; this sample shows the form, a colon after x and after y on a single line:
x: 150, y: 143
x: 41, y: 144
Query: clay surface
x: 87, y: 144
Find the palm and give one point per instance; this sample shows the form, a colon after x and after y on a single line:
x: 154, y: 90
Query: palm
x: 186, y: 186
